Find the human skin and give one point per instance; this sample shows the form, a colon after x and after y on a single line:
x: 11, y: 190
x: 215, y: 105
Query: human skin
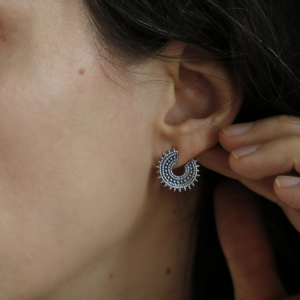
x: 262, y: 155
x: 82, y: 214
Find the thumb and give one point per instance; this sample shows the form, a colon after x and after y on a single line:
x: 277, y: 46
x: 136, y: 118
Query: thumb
x: 245, y: 244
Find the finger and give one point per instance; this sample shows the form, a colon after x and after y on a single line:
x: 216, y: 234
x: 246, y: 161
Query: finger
x: 272, y: 158
x: 287, y: 189
x: 290, y: 196
x: 216, y: 159
x: 261, y: 131
x: 245, y: 244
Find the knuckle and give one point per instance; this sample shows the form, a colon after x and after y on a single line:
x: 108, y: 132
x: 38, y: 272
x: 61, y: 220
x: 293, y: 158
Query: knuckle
x: 289, y: 122
x: 288, y: 119
x: 284, y: 118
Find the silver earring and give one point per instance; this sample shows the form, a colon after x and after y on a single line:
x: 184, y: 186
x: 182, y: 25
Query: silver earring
x: 170, y: 179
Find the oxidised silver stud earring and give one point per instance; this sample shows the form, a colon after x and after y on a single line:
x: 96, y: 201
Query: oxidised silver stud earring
x: 170, y: 179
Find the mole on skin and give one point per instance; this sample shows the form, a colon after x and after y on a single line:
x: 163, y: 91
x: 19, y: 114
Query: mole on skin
x: 81, y: 71
x: 168, y: 271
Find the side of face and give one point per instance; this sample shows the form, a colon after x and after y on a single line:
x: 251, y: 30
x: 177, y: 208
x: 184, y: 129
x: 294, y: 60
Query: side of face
x: 71, y: 148
x: 79, y: 143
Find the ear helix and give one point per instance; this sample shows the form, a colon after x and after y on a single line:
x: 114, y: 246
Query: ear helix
x: 170, y: 179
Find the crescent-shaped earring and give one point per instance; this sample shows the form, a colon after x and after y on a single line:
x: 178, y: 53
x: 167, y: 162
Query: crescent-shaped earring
x: 170, y: 179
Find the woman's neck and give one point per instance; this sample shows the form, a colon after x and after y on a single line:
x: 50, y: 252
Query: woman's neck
x: 152, y: 261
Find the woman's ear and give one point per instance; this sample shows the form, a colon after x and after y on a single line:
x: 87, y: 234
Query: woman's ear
x: 203, y: 98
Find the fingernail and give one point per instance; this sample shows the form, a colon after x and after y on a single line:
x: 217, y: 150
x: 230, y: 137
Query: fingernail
x: 245, y: 151
x: 287, y: 181
x: 237, y: 129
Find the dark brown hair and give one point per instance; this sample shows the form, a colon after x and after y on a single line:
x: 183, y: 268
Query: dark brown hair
x: 259, y: 40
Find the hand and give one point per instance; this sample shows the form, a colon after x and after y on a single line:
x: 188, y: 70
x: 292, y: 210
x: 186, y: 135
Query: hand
x: 245, y: 244
x: 278, y: 154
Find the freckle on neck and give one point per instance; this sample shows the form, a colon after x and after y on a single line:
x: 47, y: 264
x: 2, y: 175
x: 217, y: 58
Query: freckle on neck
x: 81, y: 71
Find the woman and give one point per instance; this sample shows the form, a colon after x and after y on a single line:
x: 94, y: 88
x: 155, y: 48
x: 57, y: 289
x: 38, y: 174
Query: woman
x: 92, y: 94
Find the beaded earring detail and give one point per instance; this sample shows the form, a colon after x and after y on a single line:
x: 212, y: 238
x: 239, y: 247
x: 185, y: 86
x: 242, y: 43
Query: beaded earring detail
x: 170, y: 179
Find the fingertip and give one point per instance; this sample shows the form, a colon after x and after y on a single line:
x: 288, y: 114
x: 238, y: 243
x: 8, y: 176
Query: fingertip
x: 287, y: 181
x: 287, y: 189
x: 225, y: 141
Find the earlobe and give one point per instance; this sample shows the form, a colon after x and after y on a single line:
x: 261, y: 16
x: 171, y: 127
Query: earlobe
x: 206, y: 98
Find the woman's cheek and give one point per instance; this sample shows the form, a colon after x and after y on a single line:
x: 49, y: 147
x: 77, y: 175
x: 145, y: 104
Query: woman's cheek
x: 68, y: 150
x: 69, y: 147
